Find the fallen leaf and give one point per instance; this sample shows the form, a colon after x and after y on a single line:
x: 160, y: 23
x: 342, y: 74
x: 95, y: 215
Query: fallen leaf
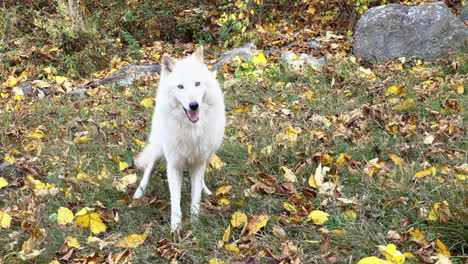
x: 318, y: 217
x: 37, y: 134
x: 406, y: 105
x: 216, y: 261
x: 131, y: 241
x: 373, y: 260
x: 428, y: 139
x: 92, y: 221
x: 65, y: 216
x: 432, y: 171
x: 216, y: 163
x: 148, y: 102
x: 259, y: 60
x: 232, y: 247
x: 227, y: 234
x: 442, y: 248
x: 72, y: 242
x: 289, y: 174
x: 3, y: 182
x: 126, y: 180
x: 238, y: 219
x: 256, y: 222
x: 123, y: 165
x: 316, y: 180
x: 224, y: 190
x: 5, y: 220
x: 10, y: 159
x: 396, y: 159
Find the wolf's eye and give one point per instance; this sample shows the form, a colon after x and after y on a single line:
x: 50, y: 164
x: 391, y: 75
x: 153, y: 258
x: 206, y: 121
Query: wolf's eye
x: 197, y: 84
x: 180, y: 86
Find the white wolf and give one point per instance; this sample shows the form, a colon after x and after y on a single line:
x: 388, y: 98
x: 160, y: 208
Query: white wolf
x: 187, y: 128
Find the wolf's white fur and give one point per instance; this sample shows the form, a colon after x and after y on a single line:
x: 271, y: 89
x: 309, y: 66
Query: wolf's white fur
x: 183, y: 143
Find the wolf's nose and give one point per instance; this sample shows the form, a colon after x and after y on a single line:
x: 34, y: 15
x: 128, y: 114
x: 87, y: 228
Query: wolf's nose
x: 193, y: 106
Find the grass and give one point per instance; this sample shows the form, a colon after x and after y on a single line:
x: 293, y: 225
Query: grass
x: 277, y: 98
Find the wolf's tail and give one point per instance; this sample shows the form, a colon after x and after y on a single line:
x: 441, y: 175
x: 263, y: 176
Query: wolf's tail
x: 150, y: 153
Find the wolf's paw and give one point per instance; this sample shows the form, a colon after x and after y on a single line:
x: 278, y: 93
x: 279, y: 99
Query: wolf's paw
x: 138, y: 193
x: 207, y: 191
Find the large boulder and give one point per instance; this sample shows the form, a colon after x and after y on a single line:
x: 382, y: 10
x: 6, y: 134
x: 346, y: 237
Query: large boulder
x: 428, y: 31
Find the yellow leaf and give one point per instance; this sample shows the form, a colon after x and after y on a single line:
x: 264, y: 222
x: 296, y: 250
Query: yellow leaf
x: 425, y: 173
x: 417, y: 235
x: 366, y: 73
x: 156, y: 55
x: 316, y: 180
x: 326, y: 159
x: 318, y: 217
x: 259, y: 60
x: 41, y: 84
x: 350, y: 214
x: 406, y: 105
x: 123, y: 165
x: 227, y: 234
x: 246, y: 108
x: 238, y: 219
x: 256, y: 223
x: 37, y: 134
x: 139, y: 142
x: 216, y: 261
x: 5, y: 220
x: 54, y: 262
x: 81, y: 140
x: 396, y: 90
x: 396, y: 159
x: 342, y: 159
x: 123, y: 183
x: 131, y: 241
x: 442, y: 248
x: 224, y: 190
x: 92, y: 221
x: 3, y: 182
x: 216, y: 163
x: 224, y: 201
x: 64, y: 216
x: 373, y: 260
x: 409, y: 255
x: 11, y: 81
x: 72, y: 242
x: 289, y: 174
x: 148, y: 102
x: 232, y: 247
x: 391, y: 253
x: 9, y: 159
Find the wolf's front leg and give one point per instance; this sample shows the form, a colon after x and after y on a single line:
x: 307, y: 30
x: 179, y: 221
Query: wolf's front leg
x: 198, y: 182
x: 174, y: 178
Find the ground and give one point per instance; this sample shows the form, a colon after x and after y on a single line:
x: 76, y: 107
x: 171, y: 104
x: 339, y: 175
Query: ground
x: 327, y: 165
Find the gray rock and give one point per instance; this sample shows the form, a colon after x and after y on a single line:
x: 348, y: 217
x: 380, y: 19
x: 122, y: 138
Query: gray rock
x: 464, y: 13
x: 27, y: 88
x: 246, y: 51
x: 9, y: 170
x: 80, y: 92
x: 128, y: 74
x: 294, y: 60
x: 427, y: 31
x: 314, y: 44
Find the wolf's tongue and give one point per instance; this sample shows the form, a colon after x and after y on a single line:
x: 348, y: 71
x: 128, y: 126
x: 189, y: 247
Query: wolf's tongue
x: 192, y: 115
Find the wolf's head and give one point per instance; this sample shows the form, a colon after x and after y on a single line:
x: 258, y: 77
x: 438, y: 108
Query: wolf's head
x: 188, y: 83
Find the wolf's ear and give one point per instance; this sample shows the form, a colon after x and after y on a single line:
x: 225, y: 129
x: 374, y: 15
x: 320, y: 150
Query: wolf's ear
x: 198, y: 54
x: 168, y: 64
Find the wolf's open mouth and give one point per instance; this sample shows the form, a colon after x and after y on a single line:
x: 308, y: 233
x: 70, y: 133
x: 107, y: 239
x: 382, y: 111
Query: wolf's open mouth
x: 192, y: 115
